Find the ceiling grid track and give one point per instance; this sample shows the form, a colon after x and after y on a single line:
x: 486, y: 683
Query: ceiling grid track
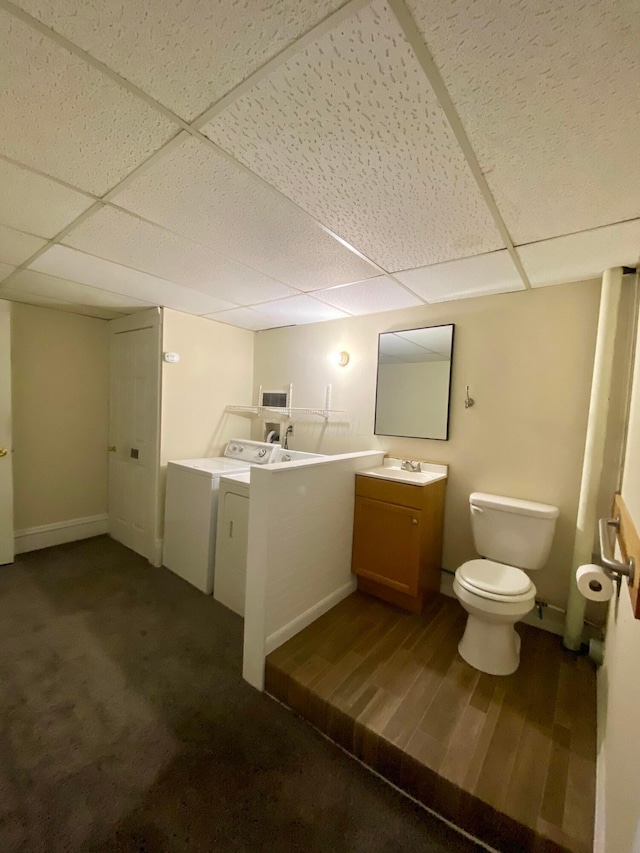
x: 423, y: 55
x: 192, y: 128
x: 47, y: 177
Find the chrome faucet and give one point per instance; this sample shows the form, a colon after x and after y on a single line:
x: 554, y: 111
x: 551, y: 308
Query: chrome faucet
x: 407, y: 465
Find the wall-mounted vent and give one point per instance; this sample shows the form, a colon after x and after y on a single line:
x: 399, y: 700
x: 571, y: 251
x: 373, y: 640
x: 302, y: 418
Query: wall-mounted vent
x: 274, y: 399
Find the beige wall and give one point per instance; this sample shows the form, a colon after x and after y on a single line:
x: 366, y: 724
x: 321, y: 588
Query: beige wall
x: 215, y: 370
x: 528, y: 360
x: 619, y: 683
x: 60, y: 389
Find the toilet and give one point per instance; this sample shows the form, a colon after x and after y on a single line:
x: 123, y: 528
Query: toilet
x: 512, y: 535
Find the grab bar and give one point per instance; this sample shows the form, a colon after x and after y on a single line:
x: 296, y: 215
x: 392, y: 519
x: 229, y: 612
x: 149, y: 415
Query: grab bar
x: 615, y: 567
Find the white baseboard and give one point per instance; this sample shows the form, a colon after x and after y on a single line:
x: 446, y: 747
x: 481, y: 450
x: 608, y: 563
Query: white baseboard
x: 296, y: 625
x: 34, y: 538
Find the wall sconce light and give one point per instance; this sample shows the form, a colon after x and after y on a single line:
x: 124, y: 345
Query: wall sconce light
x: 342, y: 358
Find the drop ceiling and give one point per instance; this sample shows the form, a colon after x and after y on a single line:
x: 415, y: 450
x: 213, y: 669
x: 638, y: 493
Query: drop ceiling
x: 271, y: 162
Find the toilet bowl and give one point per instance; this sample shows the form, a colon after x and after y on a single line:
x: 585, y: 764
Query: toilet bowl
x: 495, y: 596
x: 511, y: 535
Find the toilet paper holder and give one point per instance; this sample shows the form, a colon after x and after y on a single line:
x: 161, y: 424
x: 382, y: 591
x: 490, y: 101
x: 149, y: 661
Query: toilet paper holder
x: 613, y: 566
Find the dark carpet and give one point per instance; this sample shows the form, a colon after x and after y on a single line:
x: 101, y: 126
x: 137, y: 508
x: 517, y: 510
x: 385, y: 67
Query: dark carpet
x: 125, y: 726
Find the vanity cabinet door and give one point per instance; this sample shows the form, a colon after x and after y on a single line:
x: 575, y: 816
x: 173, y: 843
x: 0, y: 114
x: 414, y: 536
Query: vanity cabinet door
x: 386, y: 544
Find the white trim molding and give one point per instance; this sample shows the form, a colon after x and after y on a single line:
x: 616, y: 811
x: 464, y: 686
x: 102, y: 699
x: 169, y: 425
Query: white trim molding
x: 46, y: 535
x: 279, y: 637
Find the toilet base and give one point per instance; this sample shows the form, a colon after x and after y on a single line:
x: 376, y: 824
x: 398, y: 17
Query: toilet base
x: 491, y: 647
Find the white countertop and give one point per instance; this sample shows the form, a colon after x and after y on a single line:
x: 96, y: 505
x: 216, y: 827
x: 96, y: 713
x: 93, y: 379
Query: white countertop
x: 391, y: 470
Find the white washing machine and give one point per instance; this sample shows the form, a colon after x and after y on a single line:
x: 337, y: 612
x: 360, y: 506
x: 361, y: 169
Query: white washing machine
x: 233, y: 533
x: 191, y: 507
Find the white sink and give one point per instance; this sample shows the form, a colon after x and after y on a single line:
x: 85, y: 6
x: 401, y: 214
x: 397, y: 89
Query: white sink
x: 391, y: 470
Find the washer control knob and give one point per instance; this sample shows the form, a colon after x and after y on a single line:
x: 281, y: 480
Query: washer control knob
x: 234, y: 448
x: 262, y: 452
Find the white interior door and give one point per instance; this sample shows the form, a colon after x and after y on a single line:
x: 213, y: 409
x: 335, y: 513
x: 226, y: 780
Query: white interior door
x: 134, y: 438
x: 6, y: 472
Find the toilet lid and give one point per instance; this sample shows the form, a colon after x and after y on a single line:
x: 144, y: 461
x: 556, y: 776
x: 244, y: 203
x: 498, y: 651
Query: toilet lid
x: 494, y: 578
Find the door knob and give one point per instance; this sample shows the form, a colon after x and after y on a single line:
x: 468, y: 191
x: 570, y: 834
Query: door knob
x: 112, y: 448
x: 3, y: 451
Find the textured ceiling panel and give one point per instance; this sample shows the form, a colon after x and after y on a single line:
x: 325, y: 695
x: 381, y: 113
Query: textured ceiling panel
x: 369, y: 297
x: 39, y: 284
x: 548, y: 94
x: 479, y: 276
x: 203, y: 196
x: 125, y: 239
x: 76, y: 266
x: 298, y: 309
x: 23, y: 296
x: 32, y: 203
x: 351, y: 130
x: 582, y: 256
x: 245, y: 318
x: 5, y: 270
x: 65, y: 118
x: 185, y: 54
x: 16, y: 247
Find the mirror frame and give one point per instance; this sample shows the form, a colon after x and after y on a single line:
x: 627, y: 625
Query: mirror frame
x: 375, y: 411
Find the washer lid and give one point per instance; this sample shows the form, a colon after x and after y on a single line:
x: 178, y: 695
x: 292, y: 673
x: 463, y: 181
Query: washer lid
x: 210, y: 466
x: 245, y: 477
x: 495, y: 578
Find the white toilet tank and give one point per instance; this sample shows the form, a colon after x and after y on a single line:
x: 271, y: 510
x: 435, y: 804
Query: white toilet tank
x: 512, y: 531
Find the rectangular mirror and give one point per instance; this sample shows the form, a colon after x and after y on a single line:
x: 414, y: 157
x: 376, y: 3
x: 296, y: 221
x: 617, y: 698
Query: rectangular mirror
x: 414, y: 382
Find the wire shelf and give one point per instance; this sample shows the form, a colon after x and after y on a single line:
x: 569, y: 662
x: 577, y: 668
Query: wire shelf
x: 288, y: 411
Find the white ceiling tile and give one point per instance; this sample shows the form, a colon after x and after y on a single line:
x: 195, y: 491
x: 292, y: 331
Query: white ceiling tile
x: 5, y: 271
x: 24, y: 296
x: 245, y: 318
x: 581, y: 256
x: 16, y: 247
x: 33, y: 203
x: 118, y: 236
x: 70, y: 264
x: 548, y: 95
x: 477, y: 276
x: 185, y: 54
x: 369, y: 297
x: 40, y: 284
x: 204, y: 196
x: 63, y: 117
x: 298, y: 309
x: 351, y: 130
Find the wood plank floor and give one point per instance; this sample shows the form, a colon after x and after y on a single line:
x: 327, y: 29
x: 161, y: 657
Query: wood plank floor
x: 509, y: 759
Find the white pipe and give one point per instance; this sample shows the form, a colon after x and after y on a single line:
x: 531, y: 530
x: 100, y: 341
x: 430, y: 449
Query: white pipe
x: 594, y: 449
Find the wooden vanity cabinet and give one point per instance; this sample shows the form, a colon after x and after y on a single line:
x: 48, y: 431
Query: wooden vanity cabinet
x: 397, y: 540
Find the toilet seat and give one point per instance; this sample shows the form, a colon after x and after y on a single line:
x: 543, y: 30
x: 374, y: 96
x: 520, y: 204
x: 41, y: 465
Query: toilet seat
x: 495, y: 581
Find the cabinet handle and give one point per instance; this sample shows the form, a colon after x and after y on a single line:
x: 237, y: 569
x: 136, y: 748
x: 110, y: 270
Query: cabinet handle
x: 414, y: 520
x: 231, y: 530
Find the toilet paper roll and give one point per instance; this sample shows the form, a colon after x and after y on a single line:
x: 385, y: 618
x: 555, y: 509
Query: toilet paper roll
x: 594, y: 583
